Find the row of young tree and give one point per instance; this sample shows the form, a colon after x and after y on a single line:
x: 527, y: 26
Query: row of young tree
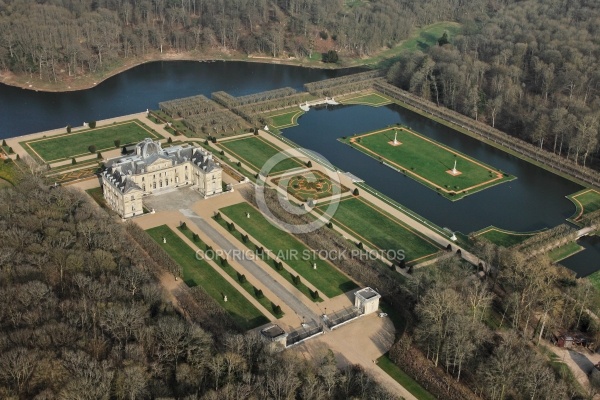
x: 528, y: 68
x: 82, y: 317
x: 55, y: 38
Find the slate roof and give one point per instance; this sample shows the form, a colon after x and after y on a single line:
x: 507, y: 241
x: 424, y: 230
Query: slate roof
x: 118, y: 170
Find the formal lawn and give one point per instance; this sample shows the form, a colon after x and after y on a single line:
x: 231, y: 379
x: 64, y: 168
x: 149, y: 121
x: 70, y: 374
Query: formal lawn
x: 503, y: 238
x: 286, y: 119
x: 234, y: 274
x: 428, y: 162
x: 200, y: 273
x: 586, y: 201
x: 564, y: 251
x: 326, y: 278
x: 269, y: 261
x: 310, y: 185
x: 403, y: 379
x: 255, y: 151
x: 380, y: 231
x: 367, y: 99
x: 77, y: 143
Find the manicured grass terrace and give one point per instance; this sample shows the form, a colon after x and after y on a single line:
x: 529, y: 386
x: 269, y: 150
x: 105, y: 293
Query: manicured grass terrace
x: 381, y: 231
x: 74, y: 144
x: 586, y: 201
x: 564, y: 251
x: 286, y: 119
x: 247, y: 286
x: 256, y: 151
x: 326, y: 278
x: 200, y: 273
x: 428, y: 161
x: 503, y: 238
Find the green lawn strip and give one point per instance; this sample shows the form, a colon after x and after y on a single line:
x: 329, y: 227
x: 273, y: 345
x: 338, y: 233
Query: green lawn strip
x: 269, y: 261
x: 381, y: 231
x: 98, y: 196
x: 286, y: 120
x: 257, y: 151
x: 413, y: 215
x: 248, y: 287
x: 9, y: 171
x: 403, y: 379
x: 428, y: 161
x: 326, y: 278
x: 370, y: 99
x: 564, y: 251
x: 421, y: 39
x: 586, y: 201
x: 501, y: 237
x: 80, y: 165
x: 200, y: 273
x: 77, y: 143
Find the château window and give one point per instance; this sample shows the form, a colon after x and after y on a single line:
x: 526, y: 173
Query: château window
x: 132, y: 198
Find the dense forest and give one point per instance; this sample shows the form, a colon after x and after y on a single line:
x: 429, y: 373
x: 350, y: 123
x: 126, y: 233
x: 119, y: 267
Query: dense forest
x: 529, y: 69
x: 64, y: 37
x: 82, y: 317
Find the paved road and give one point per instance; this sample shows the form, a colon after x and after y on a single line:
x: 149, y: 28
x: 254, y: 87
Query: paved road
x: 284, y: 295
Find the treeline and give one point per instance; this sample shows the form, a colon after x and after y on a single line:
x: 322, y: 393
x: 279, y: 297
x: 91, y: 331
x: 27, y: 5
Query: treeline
x: 82, y: 317
x: 528, y: 68
x: 55, y: 38
x: 490, y: 334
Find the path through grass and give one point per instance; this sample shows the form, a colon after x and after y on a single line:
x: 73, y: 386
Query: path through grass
x: 200, y: 273
x: 326, y: 278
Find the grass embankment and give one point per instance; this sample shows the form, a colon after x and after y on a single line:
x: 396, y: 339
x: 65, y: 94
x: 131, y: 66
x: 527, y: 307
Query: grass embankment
x: 9, y: 173
x: 428, y: 162
x: 286, y: 119
x: 586, y: 201
x: 564, y: 251
x: 503, y: 238
x: 403, y: 379
x: 325, y: 278
x: 234, y: 274
x: 256, y: 151
x: 200, y: 273
x: 379, y: 230
x: 76, y: 144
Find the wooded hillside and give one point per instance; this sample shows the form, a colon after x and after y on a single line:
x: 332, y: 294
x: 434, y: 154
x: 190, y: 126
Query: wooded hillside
x: 530, y: 69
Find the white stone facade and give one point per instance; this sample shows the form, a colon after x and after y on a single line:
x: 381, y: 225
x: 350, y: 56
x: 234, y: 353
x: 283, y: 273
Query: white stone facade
x: 151, y: 169
x: 366, y: 300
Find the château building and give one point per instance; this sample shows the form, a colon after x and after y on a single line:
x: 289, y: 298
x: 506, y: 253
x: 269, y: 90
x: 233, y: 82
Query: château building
x: 151, y: 168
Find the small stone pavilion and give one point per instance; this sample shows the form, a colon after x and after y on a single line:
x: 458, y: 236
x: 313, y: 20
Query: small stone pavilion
x: 366, y: 300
